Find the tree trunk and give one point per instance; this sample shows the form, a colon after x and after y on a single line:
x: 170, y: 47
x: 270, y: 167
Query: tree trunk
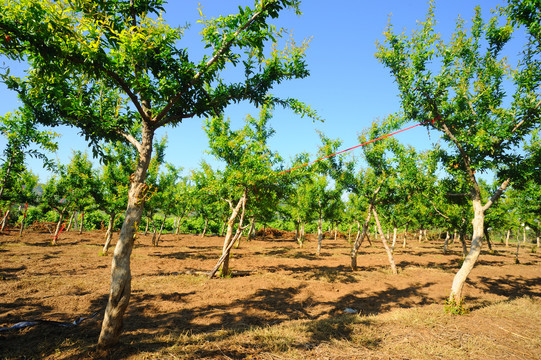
x: 298, y: 232
x: 395, y: 230
x: 537, y: 238
x: 251, y: 230
x: 446, y: 242
x: 385, y: 244
x: 108, y: 234
x: 71, y: 221
x: 205, y: 228
x: 462, y: 238
x: 229, y: 240
x: 420, y: 235
x: 507, y: 238
x: 359, y: 239
x: 302, y: 236
x: 57, y: 229
x: 524, y: 234
x: 146, y: 227
x: 489, y: 243
x: 119, y: 295
x: 5, y: 219
x: 319, y: 234
x: 81, y: 223
x: 405, y: 236
x: 223, y: 228
x: 23, y: 219
x: 161, y: 230
x: 476, y: 242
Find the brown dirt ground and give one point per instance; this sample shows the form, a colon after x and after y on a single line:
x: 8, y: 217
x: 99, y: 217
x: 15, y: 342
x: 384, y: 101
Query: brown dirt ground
x: 282, y: 284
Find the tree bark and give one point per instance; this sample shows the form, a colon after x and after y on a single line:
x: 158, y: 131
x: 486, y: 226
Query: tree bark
x: 385, y: 243
x: 251, y: 230
x: 507, y: 238
x: 71, y: 221
x: 119, y: 295
x: 205, y: 228
x: 359, y: 240
x: 319, y: 234
x: 229, y: 240
x: 161, y: 230
x: 477, y: 241
x: 395, y: 230
x: 108, y: 234
x: 405, y: 236
x: 446, y: 243
x: 5, y: 219
x: 81, y: 223
x: 57, y: 229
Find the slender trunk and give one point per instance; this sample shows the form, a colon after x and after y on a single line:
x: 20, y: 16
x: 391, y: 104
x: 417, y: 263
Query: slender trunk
x: 359, y: 239
x: 302, y: 236
x: 229, y: 240
x: 524, y: 234
x: 297, y: 231
x: 462, y: 238
x: 119, y: 295
x: 108, y: 234
x: 507, y: 238
x: 516, y: 255
x: 82, y: 222
x: 57, y: 229
x: 223, y: 228
x: 71, y: 221
x: 446, y: 242
x: 5, y: 219
x: 537, y: 233
x: 375, y: 232
x: 23, y: 219
x: 385, y: 244
x: 454, y: 237
x: 205, y: 228
x: 319, y: 234
x: 405, y: 236
x: 420, y: 235
x: 335, y: 231
x: 251, y: 230
x: 161, y: 230
x: 489, y: 243
x: 146, y: 227
x: 395, y: 230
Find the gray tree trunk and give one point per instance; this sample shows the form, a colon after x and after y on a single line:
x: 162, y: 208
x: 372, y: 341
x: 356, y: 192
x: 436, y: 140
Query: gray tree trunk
x: 57, y: 229
x: 119, y: 295
x: 385, y: 243
x: 81, y: 223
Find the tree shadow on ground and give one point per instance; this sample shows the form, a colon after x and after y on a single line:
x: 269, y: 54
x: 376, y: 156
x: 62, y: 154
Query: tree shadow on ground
x: 511, y: 287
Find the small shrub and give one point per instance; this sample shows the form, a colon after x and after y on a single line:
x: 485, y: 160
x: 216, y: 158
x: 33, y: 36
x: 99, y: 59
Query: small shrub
x: 451, y: 307
x: 533, y: 250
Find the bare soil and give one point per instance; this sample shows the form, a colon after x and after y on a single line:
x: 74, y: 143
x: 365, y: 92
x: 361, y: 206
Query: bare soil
x: 275, y: 285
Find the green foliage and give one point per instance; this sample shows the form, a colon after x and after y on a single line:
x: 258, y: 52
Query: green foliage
x: 451, y: 307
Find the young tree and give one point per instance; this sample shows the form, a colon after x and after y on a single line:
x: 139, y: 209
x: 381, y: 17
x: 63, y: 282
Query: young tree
x: 104, y: 67
x: 250, y: 169
x: 466, y: 102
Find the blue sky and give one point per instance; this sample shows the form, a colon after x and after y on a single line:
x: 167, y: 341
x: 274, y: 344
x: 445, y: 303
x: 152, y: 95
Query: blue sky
x: 348, y: 86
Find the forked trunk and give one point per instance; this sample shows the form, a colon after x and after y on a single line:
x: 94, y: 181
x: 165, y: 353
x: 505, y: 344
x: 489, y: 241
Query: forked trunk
x: 229, y: 240
x: 385, y: 243
x: 359, y: 239
x: 478, y: 223
x: 119, y: 295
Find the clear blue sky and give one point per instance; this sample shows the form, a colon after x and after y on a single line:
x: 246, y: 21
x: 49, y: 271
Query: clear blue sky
x: 347, y: 86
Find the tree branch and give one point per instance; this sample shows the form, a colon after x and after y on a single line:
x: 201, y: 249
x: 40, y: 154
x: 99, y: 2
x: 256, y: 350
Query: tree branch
x: 199, y: 74
x: 497, y: 194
